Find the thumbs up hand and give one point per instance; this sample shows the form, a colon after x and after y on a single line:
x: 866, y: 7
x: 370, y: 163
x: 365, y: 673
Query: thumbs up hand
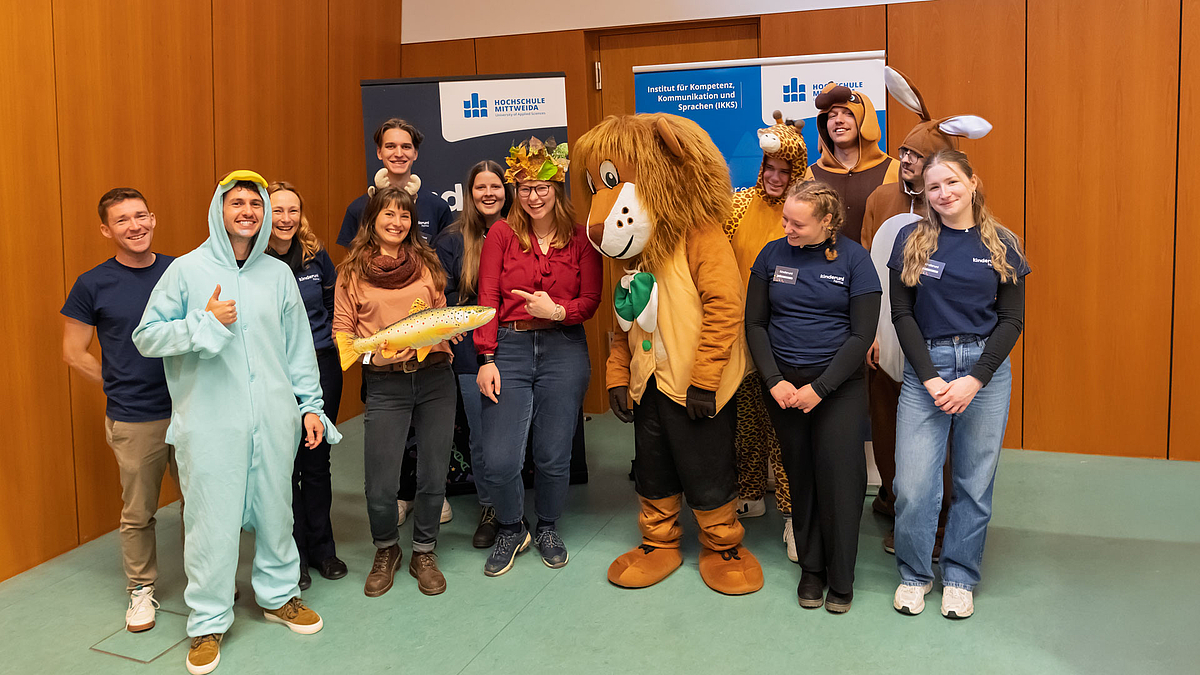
x: 224, y: 310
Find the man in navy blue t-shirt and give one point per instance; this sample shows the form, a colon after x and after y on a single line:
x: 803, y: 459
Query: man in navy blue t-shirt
x: 396, y: 145
x: 108, y: 301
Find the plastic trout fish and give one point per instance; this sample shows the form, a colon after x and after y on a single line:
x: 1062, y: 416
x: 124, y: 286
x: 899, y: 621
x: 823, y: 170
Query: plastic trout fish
x: 421, y: 330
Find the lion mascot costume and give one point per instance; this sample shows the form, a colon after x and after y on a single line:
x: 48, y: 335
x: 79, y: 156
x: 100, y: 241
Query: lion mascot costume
x: 660, y: 194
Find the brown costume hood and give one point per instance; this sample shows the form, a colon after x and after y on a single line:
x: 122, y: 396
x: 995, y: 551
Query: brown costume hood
x: 869, y: 133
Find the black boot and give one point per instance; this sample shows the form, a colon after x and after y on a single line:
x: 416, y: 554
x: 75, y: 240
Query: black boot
x: 810, y: 590
x: 485, y: 532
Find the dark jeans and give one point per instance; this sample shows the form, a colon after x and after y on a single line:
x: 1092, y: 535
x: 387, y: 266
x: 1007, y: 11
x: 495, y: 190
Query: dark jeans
x: 543, y: 377
x: 312, y: 494
x: 674, y: 453
x: 427, y: 399
x: 824, y: 459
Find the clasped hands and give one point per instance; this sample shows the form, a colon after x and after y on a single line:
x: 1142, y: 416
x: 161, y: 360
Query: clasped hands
x: 788, y: 396
x: 953, y: 397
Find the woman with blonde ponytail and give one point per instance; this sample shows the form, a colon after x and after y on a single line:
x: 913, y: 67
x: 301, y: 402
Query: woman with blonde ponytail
x: 958, y: 304
x: 812, y: 306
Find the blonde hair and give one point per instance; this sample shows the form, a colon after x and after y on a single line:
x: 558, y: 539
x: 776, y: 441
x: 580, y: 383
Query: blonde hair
x: 365, y: 245
x: 308, y: 239
x: 825, y: 201
x: 924, y: 239
x: 564, y: 220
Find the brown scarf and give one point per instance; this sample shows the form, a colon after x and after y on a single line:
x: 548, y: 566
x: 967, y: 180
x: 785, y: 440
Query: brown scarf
x: 385, y: 271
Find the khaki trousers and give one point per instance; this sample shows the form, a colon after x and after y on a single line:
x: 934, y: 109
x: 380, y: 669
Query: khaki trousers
x: 142, y: 456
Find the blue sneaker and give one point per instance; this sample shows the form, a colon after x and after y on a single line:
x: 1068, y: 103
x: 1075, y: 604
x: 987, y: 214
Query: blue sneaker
x: 552, y: 548
x: 504, y: 553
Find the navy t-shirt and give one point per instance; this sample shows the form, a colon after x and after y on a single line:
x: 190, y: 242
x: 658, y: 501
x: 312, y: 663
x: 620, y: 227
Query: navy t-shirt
x: 317, y: 280
x: 112, y: 297
x: 433, y: 216
x: 810, y: 297
x: 957, y: 293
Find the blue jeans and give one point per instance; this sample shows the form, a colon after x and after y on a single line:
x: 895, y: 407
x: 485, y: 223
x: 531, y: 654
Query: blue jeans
x: 921, y: 434
x: 473, y: 407
x: 543, y: 377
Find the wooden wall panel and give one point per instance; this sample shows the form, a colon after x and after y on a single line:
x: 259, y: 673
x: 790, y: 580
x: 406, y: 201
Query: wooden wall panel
x: 985, y: 77
x: 160, y: 93
x: 1185, y: 359
x: 1100, y: 225
x: 438, y: 59
x: 37, y: 505
x: 826, y: 31
x: 358, y: 50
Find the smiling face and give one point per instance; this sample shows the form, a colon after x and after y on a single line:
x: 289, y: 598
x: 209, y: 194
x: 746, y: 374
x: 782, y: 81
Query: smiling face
x: 243, y: 213
x: 285, y: 215
x: 488, y: 193
x: 842, y: 127
x: 911, y: 165
x: 800, y: 224
x: 391, y: 227
x: 130, y: 225
x: 618, y: 225
x: 539, y: 206
x: 776, y: 173
x: 949, y: 192
x: 397, y: 152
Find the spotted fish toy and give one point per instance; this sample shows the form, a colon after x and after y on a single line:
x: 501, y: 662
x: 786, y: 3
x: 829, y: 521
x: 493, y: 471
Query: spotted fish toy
x: 421, y: 330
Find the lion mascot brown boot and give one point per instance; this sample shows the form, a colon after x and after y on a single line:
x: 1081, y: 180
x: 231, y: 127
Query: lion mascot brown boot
x: 660, y: 194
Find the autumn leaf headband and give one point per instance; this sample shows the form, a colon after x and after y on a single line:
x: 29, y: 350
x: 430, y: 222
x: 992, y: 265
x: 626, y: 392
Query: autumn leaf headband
x: 535, y: 160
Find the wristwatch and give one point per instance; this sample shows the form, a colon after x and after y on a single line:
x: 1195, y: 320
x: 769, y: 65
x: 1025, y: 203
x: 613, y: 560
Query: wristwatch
x: 484, y: 359
x: 559, y: 313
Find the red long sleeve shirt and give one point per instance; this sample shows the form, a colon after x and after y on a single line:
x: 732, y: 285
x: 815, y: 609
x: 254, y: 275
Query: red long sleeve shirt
x: 572, y: 276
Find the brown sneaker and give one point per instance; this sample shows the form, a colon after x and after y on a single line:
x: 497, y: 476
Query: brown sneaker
x: 204, y: 654
x: 297, y: 616
x: 423, y: 567
x: 383, y: 571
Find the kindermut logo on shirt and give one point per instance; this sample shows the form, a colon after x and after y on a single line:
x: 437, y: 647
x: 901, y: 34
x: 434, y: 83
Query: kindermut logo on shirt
x: 982, y: 261
x: 840, y: 281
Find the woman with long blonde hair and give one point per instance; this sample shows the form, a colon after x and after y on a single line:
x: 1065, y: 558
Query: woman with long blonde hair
x: 293, y: 241
x: 459, y: 247
x: 958, y: 304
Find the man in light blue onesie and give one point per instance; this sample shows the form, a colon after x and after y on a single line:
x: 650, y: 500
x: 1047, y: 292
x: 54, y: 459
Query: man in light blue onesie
x: 231, y: 328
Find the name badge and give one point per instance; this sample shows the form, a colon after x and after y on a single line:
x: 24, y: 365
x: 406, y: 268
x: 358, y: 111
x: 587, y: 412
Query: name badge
x: 786, y: 275
x: 933, y: 269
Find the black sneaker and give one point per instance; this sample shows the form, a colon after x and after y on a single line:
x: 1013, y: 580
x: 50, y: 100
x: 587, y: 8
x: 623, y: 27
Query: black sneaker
x: 552, y: 548
x: 836, y: 603
x: 504, y: 553
x: 485, y: 532
x: 811, y: 590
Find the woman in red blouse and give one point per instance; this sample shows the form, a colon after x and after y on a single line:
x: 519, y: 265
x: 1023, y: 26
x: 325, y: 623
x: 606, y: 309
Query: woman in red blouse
x: 543, y: 277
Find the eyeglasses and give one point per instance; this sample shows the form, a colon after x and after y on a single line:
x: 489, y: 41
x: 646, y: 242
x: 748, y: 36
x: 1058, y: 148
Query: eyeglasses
x: 908, y: 155
x: 541, y: 190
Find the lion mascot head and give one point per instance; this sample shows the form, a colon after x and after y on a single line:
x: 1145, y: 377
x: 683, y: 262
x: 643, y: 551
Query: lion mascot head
x: 653, y: 178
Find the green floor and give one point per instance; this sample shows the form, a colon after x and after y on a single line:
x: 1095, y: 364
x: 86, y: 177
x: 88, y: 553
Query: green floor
x: 1093, y: 566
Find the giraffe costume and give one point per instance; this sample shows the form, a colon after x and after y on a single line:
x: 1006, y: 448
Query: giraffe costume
x: 755, y: 221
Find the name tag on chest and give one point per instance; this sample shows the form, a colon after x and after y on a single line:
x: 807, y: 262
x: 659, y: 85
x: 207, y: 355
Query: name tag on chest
x: 785, y: 275
x: 933, y: 269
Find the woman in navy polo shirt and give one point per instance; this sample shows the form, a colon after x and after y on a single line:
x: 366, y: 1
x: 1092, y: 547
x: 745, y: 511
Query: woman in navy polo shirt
x: 811, y: 310
x: 958, y: 304
x: 292, y: 241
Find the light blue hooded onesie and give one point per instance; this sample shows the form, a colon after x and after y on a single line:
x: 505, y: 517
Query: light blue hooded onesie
x: 238, y: 394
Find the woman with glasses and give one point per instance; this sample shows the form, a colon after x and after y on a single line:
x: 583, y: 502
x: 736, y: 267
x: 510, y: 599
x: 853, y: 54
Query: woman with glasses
x: 543, y: 277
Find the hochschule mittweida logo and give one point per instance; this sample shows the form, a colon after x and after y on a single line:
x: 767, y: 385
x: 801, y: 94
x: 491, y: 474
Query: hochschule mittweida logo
x: 475, y: 107
x: 793, y: 92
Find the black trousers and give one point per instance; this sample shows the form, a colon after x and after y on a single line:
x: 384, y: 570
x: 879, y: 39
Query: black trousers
x: 312, y: 494
x: 825, y: 462
x: 674, y: 453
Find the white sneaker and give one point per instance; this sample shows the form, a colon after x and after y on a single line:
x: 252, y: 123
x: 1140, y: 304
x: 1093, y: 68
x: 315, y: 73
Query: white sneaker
x: 447, y: 512
x: 957, y: 603
x: 750, y: 508
x: 789, y: 538
x: 403, y: 508
x: 910, y: 600
x: 140, y: 615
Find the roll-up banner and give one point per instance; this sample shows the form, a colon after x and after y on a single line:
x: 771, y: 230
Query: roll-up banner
x: 732, y: 100
x: 464, y: 120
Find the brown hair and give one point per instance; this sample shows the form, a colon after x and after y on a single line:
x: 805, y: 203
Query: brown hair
x: 365, y: 245
x: 397, y: 123
x: 308, y: 238
x: 116, y: 196
x: 564, y: 220
x: 924, y: 239
x: 825, y: 201
x: 474, y: 226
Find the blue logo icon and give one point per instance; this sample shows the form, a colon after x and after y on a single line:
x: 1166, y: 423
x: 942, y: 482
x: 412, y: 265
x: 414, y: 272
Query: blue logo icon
x: 476, y: 107
x: 793, y: 92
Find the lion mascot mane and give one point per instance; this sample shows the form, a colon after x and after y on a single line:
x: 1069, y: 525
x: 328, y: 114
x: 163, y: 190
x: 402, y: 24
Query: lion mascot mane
x: 660, y: 194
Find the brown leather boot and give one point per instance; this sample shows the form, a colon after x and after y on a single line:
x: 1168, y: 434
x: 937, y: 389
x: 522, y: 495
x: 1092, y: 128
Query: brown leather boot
x: 423, y: 567
x: 725, y: 565
x: 658, y: 554
x: 383, y: 571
